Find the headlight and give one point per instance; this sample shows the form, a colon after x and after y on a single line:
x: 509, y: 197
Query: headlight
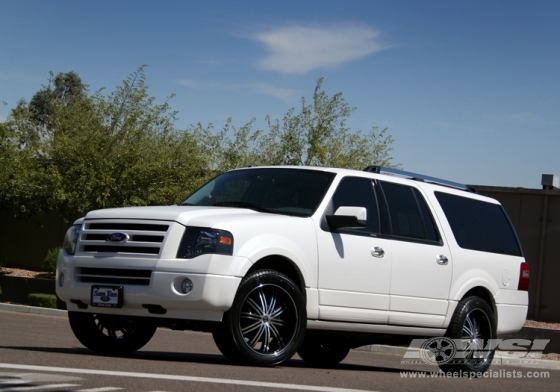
x: 70, y: 239
x: 199, y: 240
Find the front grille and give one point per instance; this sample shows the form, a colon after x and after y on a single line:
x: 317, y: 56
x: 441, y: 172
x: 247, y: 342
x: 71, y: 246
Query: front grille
x: 143, y: 237
x: 114, y: 276
x: 128, y: 226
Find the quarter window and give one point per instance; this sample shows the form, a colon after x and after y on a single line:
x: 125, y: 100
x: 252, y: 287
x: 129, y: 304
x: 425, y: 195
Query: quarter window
x: 479, y: 225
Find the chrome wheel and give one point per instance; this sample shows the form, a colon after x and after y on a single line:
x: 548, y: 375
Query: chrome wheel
x: 266, y: 323
x: 473, y: 329
x: 268, y: 319
x: 477, y: 332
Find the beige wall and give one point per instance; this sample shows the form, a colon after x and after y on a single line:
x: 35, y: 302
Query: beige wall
x: 536, y: 216
x: 24, y: 242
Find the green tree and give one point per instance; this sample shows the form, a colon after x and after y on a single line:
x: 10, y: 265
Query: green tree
x: 98, y: 151
x: 317, y: 135
x: 69, y: 151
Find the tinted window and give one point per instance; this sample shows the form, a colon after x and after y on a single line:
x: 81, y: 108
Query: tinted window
x: 283, y: 191
x: 408, y: 213
x: 357, y: 192
x: 479, y: 225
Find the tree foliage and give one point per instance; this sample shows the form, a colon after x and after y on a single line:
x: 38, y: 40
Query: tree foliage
x: 68, y: 151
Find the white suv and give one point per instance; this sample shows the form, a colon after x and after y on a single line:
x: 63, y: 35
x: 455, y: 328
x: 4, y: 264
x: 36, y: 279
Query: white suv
x: 279, y: 260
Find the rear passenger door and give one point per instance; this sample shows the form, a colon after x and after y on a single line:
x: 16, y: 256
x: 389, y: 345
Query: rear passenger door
x: 421, y: 263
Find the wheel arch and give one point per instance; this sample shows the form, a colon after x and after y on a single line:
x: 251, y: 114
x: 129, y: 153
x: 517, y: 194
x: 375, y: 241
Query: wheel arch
x: 485, y: 294
x: 283, y: 265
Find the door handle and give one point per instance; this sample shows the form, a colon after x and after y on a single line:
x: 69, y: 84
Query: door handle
x: 377, y: 251
x: 442, y: 260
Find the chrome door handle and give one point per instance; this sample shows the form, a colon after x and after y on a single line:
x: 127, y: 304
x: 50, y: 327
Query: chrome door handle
x: 442, y: 260
x: 377, y: 251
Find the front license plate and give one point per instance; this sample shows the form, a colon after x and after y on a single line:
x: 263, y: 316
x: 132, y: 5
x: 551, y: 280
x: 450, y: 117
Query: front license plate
x: 107, y: 296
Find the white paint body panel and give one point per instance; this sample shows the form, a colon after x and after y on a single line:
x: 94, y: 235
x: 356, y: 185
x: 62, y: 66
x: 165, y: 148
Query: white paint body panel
x: 347, y: 289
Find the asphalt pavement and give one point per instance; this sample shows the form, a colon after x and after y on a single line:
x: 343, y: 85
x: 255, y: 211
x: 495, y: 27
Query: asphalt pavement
x: 517, y: 359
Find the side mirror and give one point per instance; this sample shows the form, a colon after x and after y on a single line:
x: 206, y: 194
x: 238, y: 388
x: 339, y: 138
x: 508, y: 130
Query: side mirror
x: 348, y: 217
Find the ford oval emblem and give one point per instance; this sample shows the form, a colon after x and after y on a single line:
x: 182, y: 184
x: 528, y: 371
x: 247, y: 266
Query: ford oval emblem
x: 118, y: 237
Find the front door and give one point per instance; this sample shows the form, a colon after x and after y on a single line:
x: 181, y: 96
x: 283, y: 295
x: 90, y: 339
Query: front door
x: 354, y: 264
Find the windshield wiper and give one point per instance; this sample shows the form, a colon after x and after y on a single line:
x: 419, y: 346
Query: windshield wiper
x: 242, y: 204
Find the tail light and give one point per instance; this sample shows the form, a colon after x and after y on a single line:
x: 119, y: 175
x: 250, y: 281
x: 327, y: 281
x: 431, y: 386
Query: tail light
x: 523, y: 277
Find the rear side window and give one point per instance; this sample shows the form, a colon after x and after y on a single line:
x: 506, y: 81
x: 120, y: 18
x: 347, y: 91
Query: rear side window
x: 409, y: 215
x: 479, y: 225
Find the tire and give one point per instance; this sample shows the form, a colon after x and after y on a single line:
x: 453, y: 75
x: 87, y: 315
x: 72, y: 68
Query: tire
x: 322, y: 351
x: 266, y: 323
x: 110, y: 335
x: 472, y: 326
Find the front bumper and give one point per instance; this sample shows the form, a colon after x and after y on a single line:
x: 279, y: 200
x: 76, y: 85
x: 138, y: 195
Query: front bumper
x: 211, y: 296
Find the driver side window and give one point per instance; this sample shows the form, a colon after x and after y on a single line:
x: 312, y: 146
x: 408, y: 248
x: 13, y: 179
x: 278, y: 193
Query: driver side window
x: 358, y: 192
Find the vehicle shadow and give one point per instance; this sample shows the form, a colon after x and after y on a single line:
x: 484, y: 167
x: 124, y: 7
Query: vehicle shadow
x: 202, y: 358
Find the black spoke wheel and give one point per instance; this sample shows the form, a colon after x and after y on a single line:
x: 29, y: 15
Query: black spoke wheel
x: 266, y: 322
x: 323, y: 351
x: 110, y: 335
x: 473, y: 327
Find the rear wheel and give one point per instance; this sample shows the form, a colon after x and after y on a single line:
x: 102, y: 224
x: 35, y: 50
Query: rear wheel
x: 472, y: 328
x: 110, y: 335
x: 266, y: 323
x: 323, y: 350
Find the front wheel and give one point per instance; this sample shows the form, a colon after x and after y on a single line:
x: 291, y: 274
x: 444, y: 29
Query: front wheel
x: 473, y: 327
x: 266, y: 323
x: 110, y: 335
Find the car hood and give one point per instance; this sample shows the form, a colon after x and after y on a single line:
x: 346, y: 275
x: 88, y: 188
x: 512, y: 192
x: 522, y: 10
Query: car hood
x: 186, y: 215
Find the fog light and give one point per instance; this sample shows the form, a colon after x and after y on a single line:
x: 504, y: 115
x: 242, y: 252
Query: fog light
x: 61, y: 279
x: 187, y: 286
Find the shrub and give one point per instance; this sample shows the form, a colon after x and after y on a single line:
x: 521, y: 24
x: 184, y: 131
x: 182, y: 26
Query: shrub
x: 49, y: 264
x: 42, y: 300
x: 45, y: 301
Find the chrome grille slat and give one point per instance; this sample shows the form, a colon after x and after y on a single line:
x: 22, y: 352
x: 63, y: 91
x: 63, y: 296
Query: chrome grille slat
x: 144, y: 237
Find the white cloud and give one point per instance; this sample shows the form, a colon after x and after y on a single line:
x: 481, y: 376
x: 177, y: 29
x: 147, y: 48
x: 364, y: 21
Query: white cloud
x: 300, y: 49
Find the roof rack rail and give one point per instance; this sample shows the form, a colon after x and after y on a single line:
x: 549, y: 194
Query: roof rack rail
x: 418, y: 177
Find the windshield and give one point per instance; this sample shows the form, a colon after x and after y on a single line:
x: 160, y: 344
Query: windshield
x: 282, y: 191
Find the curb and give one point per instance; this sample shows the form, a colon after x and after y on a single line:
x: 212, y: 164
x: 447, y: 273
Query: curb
x: 499, y: 359
x: 33, y: 310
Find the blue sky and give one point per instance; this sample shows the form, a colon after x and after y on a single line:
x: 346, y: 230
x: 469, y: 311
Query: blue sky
x: 470, y: 90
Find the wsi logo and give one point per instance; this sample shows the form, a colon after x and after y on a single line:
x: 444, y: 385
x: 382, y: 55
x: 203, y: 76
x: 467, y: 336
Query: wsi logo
x: 443, y: 350
x: 118, y: 237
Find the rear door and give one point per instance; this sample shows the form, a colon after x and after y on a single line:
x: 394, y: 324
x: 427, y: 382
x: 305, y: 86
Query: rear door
x: 421, y: 263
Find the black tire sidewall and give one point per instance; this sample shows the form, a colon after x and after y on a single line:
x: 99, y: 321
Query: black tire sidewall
x: 86, y: 331
x: 455, y: 330
x: 244, y: 352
